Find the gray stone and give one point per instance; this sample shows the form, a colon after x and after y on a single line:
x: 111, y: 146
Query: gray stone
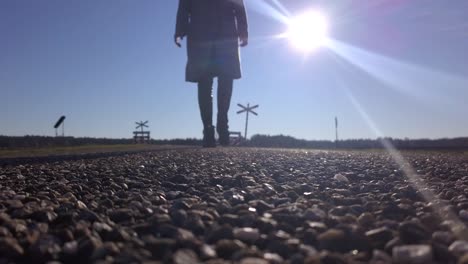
x: 121, y: 215
x: 459, y: 248
x: 226, y: 248
x: 412, y: 232
x: 315, y: 214
x: 183, y: 256
x: 251, y: 260
x: 9, y: 247
x: 87, y: 246
x: 463, y: 259
x: 273, y: 258
x: 412, y: 254
x: 443, y: 237
x: 365, y: 219
x: 70, y: 248
x: 463, y: 215
x: 179, y: 217
x: 224, y: 232
x: 207, y: 252
x: 380, y: 257
x: 341, y: 178
x: 14, y: 204
x: 44, y: 216
x: 246, y: 234
x: 379, y: 237
x: 332, y: 239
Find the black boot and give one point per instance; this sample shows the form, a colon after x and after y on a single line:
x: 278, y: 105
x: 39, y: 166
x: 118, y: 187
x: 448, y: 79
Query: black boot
x: 209, y: 137
x: 223, y: 136
x: 224, y: 100
x: 205, y: 102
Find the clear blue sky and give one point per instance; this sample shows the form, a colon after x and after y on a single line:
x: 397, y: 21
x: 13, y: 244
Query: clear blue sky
x: 108, y: 63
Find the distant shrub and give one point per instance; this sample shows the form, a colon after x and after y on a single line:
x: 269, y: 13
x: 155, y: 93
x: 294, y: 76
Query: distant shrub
x: 265, y: 141
x: 282, y: 141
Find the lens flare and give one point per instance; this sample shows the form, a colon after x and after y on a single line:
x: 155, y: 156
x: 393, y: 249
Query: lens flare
x: 309, y: 31
x: 439, y: 206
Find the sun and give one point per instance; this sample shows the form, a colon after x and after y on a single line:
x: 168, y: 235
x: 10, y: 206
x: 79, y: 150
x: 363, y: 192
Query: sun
x: 309, y: 31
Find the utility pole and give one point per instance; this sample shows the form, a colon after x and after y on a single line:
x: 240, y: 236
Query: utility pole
x: 336, y: 131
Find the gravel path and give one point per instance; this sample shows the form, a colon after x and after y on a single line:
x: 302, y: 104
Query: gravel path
x: 235, y: 205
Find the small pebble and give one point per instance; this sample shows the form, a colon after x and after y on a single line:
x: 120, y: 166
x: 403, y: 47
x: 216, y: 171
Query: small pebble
x: 341, y: 178
x: 412, y: 254
x: 183, y: 256
x: 459, y: 248
x: 246, y: 234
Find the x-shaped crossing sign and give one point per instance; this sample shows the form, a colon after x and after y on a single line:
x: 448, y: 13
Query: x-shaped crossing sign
x: 247, y: 109
x: 141, y: 125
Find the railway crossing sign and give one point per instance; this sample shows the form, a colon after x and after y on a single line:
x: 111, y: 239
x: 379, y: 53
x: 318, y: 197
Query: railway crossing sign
x: 141, y: 136
x: 141, y: 125
x: 247, y: 109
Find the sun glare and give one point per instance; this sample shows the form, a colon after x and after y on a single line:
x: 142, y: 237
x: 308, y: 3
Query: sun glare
x: 309, y: 31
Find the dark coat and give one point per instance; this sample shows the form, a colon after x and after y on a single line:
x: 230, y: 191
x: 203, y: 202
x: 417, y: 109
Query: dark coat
x: 213, y: 29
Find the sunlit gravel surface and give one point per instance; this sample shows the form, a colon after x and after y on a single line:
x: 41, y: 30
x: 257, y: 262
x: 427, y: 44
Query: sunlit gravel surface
x: 235, y: 205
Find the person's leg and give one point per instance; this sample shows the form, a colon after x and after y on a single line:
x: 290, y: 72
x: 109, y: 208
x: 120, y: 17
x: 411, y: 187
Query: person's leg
x: 225, y: 86
x: 205, y: 102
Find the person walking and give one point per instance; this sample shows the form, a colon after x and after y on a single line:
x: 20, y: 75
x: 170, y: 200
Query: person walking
x: 214, y: 29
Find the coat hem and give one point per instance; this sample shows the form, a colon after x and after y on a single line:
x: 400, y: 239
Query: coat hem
x: 198, y: 80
